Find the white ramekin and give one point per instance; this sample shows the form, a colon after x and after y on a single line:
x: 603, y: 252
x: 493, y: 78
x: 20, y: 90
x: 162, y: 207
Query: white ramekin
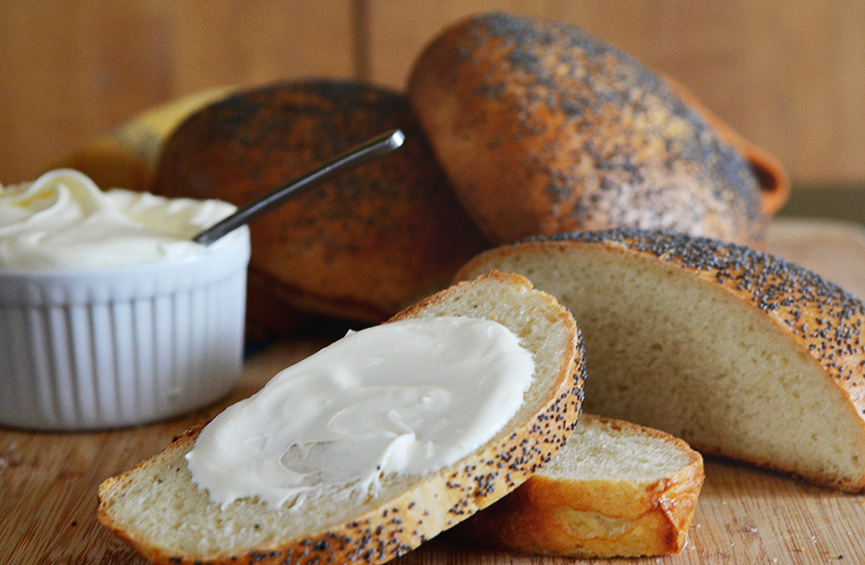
x: 114, y: 347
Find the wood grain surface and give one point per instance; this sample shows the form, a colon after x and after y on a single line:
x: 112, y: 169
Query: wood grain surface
x: 48, y: 481
x: 789, y: 75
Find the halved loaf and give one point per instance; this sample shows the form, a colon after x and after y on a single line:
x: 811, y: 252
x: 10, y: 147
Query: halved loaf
x: 737, y: 352
x: 615, y: 490
x: 160, y: 511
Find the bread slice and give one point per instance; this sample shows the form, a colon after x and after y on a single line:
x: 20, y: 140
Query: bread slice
x: 615, y: 490
x: 737, y: 352
x: 160, y: 511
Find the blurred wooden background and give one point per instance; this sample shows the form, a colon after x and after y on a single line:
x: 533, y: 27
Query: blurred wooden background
x: 790, y: 76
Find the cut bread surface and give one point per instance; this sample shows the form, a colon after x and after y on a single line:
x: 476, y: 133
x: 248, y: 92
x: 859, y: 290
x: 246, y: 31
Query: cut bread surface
x: 604, y: 449
x: 615, y: 490
x: 159, y: 510
x: 738, y: 352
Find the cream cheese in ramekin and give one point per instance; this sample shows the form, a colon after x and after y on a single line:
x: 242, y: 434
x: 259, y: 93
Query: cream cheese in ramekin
x: 63, y: 221
x: 110, y: 315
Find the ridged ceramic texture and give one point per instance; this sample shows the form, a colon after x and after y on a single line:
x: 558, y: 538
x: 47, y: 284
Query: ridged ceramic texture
x: 121, y: 346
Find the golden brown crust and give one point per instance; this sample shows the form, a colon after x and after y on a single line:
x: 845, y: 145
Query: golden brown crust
x: 542, y: 129
x: 820, y: 319
x: 596, y: 518
x: 360, y: 246
x: 438, y: 502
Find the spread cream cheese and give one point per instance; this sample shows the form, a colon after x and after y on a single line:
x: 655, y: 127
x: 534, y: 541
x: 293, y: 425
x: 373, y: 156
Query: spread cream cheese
x: 408, y: 397
x: 63, y: 221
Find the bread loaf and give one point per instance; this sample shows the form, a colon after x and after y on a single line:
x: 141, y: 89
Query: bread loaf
x: 158, y: 509
x: 362, y: 245
x: 614, y: 490
x: 738, y: 352
x: 543, y: 128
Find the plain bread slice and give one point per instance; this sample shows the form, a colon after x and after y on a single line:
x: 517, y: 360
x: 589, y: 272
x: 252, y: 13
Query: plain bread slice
x: 615, y: 490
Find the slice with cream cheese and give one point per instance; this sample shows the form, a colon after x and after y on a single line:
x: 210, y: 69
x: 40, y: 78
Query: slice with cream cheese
x: 407, y: 397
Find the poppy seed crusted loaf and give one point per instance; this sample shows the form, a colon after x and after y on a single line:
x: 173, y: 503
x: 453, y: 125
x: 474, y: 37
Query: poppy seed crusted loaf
x: 158, y: 509
x: 615, y: 489
x: 736, y: 351
x: 542, y: 128
x: 363, y: 244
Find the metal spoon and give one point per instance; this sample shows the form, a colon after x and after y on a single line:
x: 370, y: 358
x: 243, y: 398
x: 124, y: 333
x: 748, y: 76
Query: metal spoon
x: 363, y: 153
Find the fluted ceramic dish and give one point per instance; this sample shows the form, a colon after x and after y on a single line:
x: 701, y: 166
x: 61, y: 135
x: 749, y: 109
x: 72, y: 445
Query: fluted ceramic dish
x: 113, y: 347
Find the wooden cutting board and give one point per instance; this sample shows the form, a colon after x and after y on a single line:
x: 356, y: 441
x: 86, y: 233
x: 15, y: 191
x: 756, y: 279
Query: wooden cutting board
x: 48, y: 481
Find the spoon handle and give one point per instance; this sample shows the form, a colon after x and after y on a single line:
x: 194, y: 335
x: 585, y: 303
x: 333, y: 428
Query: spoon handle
x: 363, y: 153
